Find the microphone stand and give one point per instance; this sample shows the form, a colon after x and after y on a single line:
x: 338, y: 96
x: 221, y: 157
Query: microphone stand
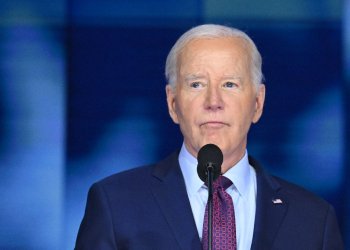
x: 210, y: 177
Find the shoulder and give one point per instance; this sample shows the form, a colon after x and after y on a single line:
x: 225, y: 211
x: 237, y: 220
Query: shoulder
x: 294, y: 194
x: 141, y: 177
x: 133, y: 174
x: 300, y: 195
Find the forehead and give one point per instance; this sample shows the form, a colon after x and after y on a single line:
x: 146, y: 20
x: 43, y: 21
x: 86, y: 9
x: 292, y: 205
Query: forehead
x: 223, y: 51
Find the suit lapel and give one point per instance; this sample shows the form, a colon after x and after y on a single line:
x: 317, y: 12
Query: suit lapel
x: 269, y: 216
x: 172, y: 198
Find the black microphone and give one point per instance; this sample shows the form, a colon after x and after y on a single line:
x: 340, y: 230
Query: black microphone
x: 209, y: 156
x: 209, y: 160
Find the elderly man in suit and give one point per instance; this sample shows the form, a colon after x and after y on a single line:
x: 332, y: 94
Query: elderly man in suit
x: 214, y: 93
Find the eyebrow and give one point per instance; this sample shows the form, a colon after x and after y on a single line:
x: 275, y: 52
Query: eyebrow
x: 233, y: 77
x: 193, y: 77
x: 199, y: 76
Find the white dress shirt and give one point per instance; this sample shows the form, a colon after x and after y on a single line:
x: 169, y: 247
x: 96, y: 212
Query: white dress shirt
x: 243, y: 193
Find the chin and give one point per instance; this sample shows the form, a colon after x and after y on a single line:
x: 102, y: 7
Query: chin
x: 218, y: 143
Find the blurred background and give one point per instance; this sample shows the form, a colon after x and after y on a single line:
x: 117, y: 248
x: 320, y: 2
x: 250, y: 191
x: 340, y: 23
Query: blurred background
x: 82, y: 96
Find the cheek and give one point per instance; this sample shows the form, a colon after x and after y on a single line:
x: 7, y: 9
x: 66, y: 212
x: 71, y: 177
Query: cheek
x: 242, y: 112
x: 187, y: 117
x: 250, y: 114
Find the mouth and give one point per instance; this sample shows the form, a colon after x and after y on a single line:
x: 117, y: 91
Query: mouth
x: 214, y: 124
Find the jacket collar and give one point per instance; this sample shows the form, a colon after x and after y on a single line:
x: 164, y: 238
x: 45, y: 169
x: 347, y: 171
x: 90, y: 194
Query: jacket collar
x: 269, y: 214
x: 172, y: 198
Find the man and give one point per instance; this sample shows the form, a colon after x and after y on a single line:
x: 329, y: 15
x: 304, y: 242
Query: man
x: 214, y: 94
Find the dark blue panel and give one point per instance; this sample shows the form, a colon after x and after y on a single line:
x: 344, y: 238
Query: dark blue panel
x: 134, y: 11
x: 108, y: 66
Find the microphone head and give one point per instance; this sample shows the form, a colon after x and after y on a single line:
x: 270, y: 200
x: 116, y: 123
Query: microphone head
x: 209, y: 153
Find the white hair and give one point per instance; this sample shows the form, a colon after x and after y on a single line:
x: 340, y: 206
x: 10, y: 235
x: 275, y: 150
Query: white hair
x: 212, y: 31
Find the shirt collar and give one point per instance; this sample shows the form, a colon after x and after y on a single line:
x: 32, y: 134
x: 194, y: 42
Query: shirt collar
x: 188, y: 165
x: 239, y: 174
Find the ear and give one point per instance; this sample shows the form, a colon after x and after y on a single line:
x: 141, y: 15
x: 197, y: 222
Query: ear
x: 170, y: 97
x: 259, y: 103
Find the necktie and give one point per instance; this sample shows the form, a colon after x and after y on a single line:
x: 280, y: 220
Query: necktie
x: 224, y: 226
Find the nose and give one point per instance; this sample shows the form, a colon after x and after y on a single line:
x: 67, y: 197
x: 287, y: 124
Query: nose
x: 214, y: 100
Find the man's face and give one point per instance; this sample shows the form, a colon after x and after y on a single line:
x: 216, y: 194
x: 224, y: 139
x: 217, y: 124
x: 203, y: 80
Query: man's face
x: 215, y: 100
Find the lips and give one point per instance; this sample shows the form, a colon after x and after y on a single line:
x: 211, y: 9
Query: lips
x: 214, y: 124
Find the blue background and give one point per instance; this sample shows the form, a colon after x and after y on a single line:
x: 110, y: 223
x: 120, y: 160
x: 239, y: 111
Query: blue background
x: 82, y: 96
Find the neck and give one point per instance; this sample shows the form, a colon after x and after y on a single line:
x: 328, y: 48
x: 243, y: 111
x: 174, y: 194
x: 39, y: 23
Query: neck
x: 231, y: 160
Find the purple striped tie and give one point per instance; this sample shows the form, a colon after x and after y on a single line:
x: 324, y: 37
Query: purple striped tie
x: 224, y: 226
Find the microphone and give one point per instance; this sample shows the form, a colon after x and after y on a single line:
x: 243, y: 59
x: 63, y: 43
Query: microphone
x: 209, y: 156
x: 209, y: 160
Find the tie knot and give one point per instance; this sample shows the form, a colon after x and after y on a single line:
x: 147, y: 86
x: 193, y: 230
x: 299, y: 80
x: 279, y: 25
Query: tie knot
x: 223, y: 182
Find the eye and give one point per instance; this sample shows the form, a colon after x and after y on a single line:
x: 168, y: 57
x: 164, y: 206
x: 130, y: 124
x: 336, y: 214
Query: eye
x: 196, y: 85
x: 229, y: 84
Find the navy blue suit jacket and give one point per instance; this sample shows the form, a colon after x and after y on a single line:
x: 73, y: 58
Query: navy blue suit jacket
x: 148, y: 208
